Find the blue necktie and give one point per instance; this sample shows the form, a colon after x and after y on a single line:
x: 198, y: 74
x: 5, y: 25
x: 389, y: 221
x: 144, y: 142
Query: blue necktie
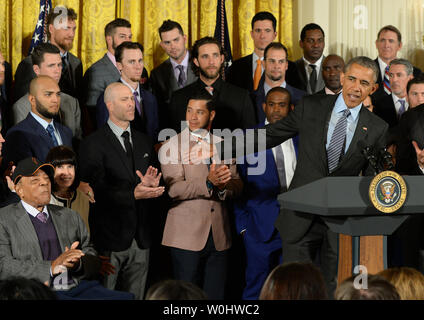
x: 337, y: 141
x: 402, y: 107
x: 50, y: 130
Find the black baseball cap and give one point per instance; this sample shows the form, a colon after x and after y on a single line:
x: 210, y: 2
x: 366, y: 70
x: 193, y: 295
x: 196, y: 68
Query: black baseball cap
x: 29, y: 167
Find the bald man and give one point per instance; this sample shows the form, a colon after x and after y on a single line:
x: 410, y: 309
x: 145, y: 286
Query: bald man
x: 332, y: 67
x: 38, y: 132
x: 116, y: 161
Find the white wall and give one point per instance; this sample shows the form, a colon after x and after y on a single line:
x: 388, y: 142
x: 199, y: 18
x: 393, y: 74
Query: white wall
x: 351, y: 26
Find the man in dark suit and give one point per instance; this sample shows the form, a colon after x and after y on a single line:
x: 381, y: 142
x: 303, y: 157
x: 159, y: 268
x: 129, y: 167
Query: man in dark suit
x: 129, y: 60
x: 275, y: 63
x: 312, y: 42
x: 332, y: 67
x: 175, y: 72
x: 388, y: 44
x: 258, y: 208
x: 247, y: 71
x: 112, y: 160
x: 62, y: 37
x: 331, y: 130
x: 47, y: 242
x: 391, y: 107
x: 105, y: 71
x: 5, y: 100
x: 38, y: 132
x: 234, y: 108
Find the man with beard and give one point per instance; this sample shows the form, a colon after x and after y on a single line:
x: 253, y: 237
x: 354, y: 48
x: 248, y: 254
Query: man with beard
x: 197, y: 228
x: 312, y: 42
x: 60, y: 33
x: 129, y: 60
x: 276, y: 64
x: 332, y: 67
x: 175, y: 72
x: 105, y: 71
x: 234, y: 108
x: 38, y: 132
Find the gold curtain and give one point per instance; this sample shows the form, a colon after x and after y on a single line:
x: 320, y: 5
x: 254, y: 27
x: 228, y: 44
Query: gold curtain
x: 197, y: 17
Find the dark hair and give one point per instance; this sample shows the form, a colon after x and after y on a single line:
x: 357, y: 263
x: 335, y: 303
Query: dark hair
x: 294, y: 281
x: 61, y: 155
x: 277, y: 46
x: 19, y: 288
x: 72, y: 15
x: 264, y: 15
x: 37, y: 56
x: 308, y: 27
x: 203, y: 94
x: 195, y: 50
x: 378, y: 289
x: 175, y: 290
x: 364, y: 62
x: 417, y: 80
x: 390, y: 28
x: 117, y: 23
x: 119, y: 51
x: 169, y: 25
x: 278, y: 89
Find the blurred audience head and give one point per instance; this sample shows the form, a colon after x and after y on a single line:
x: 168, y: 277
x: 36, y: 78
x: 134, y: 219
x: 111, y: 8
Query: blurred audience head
x: 19, y: 288
x: 372, y: 287
x: 408, y: 282
x: 175, y: 290
x: 294, y: 281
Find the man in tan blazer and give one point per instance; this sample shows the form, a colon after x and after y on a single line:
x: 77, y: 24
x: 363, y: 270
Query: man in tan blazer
x: 197, y: 227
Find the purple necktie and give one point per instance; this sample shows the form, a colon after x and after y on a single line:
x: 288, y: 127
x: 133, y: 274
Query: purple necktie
x: 137, y: 104
x: 42, y: 216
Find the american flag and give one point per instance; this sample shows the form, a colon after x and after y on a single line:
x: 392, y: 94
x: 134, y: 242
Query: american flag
x: 221, y: 32
x: 40, y: 32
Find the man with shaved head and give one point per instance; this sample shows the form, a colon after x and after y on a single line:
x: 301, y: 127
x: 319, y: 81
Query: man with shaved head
x: 38, y: 132
x: 332, y: 67
x: 116, y: 161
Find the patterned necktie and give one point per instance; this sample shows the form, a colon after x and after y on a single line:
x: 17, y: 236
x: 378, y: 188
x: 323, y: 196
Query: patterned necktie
x: 50, y: 131
x: 137, y: 103
x: 386, y: 82
x: 337, y: 141
x: 42, y: 216
x: 279, y: 159
x: 181, y: 77
x: 313, y: 77
x: 258, y: 74
x: 402, y: 107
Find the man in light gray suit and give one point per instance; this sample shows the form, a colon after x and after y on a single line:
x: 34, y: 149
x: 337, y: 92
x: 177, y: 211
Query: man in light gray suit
x: 47, y: 242
x: 309, y: 69
x: 47, y: 62
x: 175, y: 72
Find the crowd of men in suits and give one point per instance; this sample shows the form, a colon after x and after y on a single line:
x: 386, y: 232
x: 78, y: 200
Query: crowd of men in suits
x: 218, y: 220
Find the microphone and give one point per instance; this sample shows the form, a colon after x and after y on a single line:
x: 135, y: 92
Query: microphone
x: 370, y: 155
x: 386, y: 159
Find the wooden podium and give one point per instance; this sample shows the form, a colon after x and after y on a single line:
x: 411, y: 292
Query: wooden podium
x: 344, y: 205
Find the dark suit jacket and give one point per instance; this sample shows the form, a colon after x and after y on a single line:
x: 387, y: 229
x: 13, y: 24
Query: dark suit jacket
x: 25, y: 73
x: 163, y: 84
x: 5, y: 99
x: 380, y: 93
x: 259, y: 97
x: 386, y: 110
x: 310, y: 121
x: 240, y: 74
x: 20, y: 251
x: 29, y: 139
x: 234, y: 108
x: 300, y: 66
x: 150, y: 111
x: 116, y: 218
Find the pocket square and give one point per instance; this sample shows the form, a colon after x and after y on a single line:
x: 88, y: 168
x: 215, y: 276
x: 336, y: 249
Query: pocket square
x: 145, y: 155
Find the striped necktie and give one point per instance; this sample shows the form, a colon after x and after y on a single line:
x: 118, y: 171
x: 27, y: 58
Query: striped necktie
x: 337, y: 141
x: 386, y: 81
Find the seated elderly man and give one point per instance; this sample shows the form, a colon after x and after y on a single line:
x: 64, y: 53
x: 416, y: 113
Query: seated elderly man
x: 47, y: 242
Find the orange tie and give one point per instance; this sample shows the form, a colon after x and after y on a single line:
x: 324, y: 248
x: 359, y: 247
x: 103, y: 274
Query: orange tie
x: 258, y: 74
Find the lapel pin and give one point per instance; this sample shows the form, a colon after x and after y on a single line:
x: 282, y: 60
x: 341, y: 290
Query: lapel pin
x: 364, y: 128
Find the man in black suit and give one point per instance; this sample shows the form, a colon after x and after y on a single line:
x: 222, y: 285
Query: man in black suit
x: 234, y: 108
x: 112, y: 160
x: 391, y: 107
x: 312, y: 42
x: 247, y: 71
x: 275, y: 63
x: 332, y: 130
x: 175, y: 72
x: 332, y: 67
x: 5, y: 102
x: 62, y: 37
x: 388, y: 44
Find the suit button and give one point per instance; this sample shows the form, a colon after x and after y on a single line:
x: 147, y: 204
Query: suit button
x: 212, y: 210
